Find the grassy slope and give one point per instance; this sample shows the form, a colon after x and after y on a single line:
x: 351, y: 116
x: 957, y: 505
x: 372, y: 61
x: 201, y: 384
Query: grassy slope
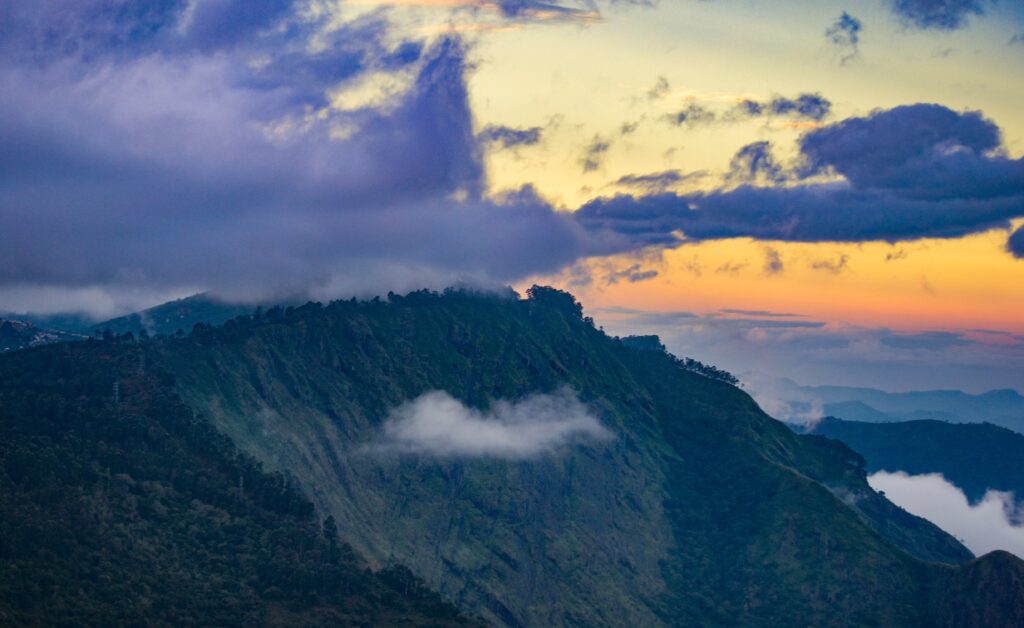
x: 703, y: 510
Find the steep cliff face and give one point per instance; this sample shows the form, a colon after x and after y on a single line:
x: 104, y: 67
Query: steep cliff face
x: 698, y: 509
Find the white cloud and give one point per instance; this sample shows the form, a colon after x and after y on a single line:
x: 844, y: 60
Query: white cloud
x: 983, y: 527
x: 436, y: 424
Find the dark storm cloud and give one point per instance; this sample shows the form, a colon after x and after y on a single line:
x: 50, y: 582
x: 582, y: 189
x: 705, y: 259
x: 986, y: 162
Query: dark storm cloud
x: 1015, y: 245
x: 844, y: 34
x: 510, y: 137
x: 937, y: 14
x: 910, y: 172
x: 142, y: 150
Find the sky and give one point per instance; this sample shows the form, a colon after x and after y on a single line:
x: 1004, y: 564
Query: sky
x: 830, y: 191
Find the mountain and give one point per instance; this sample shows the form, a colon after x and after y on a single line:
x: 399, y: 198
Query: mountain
x: 975, y: 457
x: 72, y: 323
x: 182, y: 314
x: 701, y: 510
x: 125, y: 509
x: 1001, y: 407
x: 15, y: 334
x: 677, y: 502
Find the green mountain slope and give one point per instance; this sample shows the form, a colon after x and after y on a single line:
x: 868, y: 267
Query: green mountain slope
x: 974, y: 456
x: 137, y: 513
x: 702, y: 510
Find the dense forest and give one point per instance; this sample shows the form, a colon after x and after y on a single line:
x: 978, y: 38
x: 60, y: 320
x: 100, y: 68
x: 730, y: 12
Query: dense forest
x: 119, y: 506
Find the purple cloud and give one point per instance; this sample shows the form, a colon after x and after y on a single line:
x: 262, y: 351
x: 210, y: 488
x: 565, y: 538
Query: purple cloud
x: 1015, y: 245
x: 139, y: 152
x: 910, y: 172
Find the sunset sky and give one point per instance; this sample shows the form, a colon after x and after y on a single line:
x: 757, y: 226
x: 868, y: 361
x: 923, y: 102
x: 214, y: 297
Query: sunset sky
x: 829, y: 191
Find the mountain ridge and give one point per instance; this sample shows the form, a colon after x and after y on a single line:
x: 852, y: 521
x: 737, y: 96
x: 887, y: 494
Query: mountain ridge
x: 1004, y: 407
x: 701, y: 509
x: 484, y: 348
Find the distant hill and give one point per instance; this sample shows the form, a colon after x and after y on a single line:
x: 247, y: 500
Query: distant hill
x: 15, y: 334
x: 18, y: 331
x: 73, y: 323
x: 1001, y: 407
x: 975, y: 457
x: 181, y: 314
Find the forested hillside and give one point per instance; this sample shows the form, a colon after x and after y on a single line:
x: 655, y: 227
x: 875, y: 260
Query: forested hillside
x: 119, y: 507
x: 701, y: 509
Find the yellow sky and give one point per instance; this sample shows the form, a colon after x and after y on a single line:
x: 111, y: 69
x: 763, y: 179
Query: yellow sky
x: 960, y: 284
x: 584, y: 83
x: 582, y: 80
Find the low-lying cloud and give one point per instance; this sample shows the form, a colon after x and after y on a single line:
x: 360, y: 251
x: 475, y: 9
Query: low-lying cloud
x: 438, y: 425
x: 982, y: 527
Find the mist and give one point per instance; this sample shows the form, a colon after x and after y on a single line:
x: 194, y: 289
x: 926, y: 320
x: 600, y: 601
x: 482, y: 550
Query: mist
x: 982, y: 527
x: 438, y: 425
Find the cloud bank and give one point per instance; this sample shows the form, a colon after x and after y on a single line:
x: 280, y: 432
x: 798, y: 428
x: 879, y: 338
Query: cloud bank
x: 983, y: 527
x: 916, y: 171
x: 252, y: 152
x: 437, y: 425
